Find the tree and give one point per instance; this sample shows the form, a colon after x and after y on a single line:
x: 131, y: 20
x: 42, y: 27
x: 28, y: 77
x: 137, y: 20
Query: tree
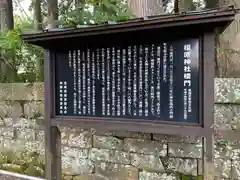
x: 6, y: 10
x: 211, y: 3
x: 143, y: 8
x: 37, y: 15
x: 38, y: 27
x: 52, y: 6
x: 186, y: 5
x: 10, y: 21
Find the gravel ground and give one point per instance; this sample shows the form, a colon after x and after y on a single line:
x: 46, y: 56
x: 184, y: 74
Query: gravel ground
x: 6, y: 177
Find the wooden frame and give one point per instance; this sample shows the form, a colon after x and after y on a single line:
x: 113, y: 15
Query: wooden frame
x: 206, y: 85
x: 139, y: 125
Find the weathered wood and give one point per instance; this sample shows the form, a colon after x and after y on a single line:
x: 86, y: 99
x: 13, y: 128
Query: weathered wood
x: 52, y: 133
x: 209, y: 56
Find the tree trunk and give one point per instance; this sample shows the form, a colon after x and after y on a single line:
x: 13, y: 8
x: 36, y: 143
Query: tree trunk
x: 6, y: 10
x: 211, y: 3
x: 143, y: 8
x: 38, y: 27
x: 80, y: 7
x: 10, y: 22
x: 6, y: 23
x: 52, y: 13
x: 186, y: 5
x: 37, y: 15
x: 176, y: 6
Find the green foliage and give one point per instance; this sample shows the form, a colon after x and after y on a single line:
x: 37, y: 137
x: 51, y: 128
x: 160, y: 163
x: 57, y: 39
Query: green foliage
x: 190, y: 177
x: 88, y: 12
x: 29, y: 163
x: 20, y: 62
x: 222, y: 143
x: 17, y: 59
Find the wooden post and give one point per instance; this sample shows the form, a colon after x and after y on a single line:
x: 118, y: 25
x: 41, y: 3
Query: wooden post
x: 209, y: 55
x: 52, y: 133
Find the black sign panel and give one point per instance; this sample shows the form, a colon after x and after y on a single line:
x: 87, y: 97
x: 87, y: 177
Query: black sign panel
x: 155, y: 81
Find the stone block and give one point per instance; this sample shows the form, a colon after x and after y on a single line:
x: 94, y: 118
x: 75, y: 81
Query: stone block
x: 79, y: 138
x: 76, y: 166
x: 107, y: 142
x: 219, y: 178
x: 40, y: 135
x: 4, y: 109
x: 185, y: 150
x: 144, y: 175
x: 90, y: 177
x: 100, y: 155
x: 116, y: 171
x: 235, y: 170
x: 113, y: 156
x: 2, y: 122
x: 35, y: 146
x: 128, y: 134
x: 235, y: 122
x: 103, y: 133
x: 96, y: 177
x: 227, y: 90
x: 222, y: 168
x: 227, y: 117
x: 67, y: 177
x: 223, y: 115
x: 25, y: 123
x: 222, y: 151
x: 21, y: 91
x: 8, y: 121
x: 81, y: 177
x: 13, y: 109
x: 64, y: 137
x: 147, y: 162
x: 7, y: 132
x: 13, y: 145
x: 34, y: 109
x: 235, y: 153
x: 177, y: 139
x: 184, y: 166
x: 26, y: 134
x: 145, y: 146
x: 75, y: 152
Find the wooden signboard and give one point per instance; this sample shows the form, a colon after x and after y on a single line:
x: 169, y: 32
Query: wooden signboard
x: 154, y: 76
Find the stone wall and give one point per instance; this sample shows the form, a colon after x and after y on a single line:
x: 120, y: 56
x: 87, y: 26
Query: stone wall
x: 94, y: 155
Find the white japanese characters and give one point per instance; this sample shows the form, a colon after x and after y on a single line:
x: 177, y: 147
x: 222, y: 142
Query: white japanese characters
x: 187, y: 94
x: 134, y: 80
x: 103, y: 82
x: 124, y: 90
x: 129, y: 81
x: 171, y: 98
x: 74, y: 64
x: 165, y: 62
x: 158, y: 81
x: 113, y: 70
x: 146, y: 92
x: 79, y: 81
x: 93, y: 97
x: 140, y: 79
x: 152, y: 90
x: 63, y: 97
x: 118, y: 61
